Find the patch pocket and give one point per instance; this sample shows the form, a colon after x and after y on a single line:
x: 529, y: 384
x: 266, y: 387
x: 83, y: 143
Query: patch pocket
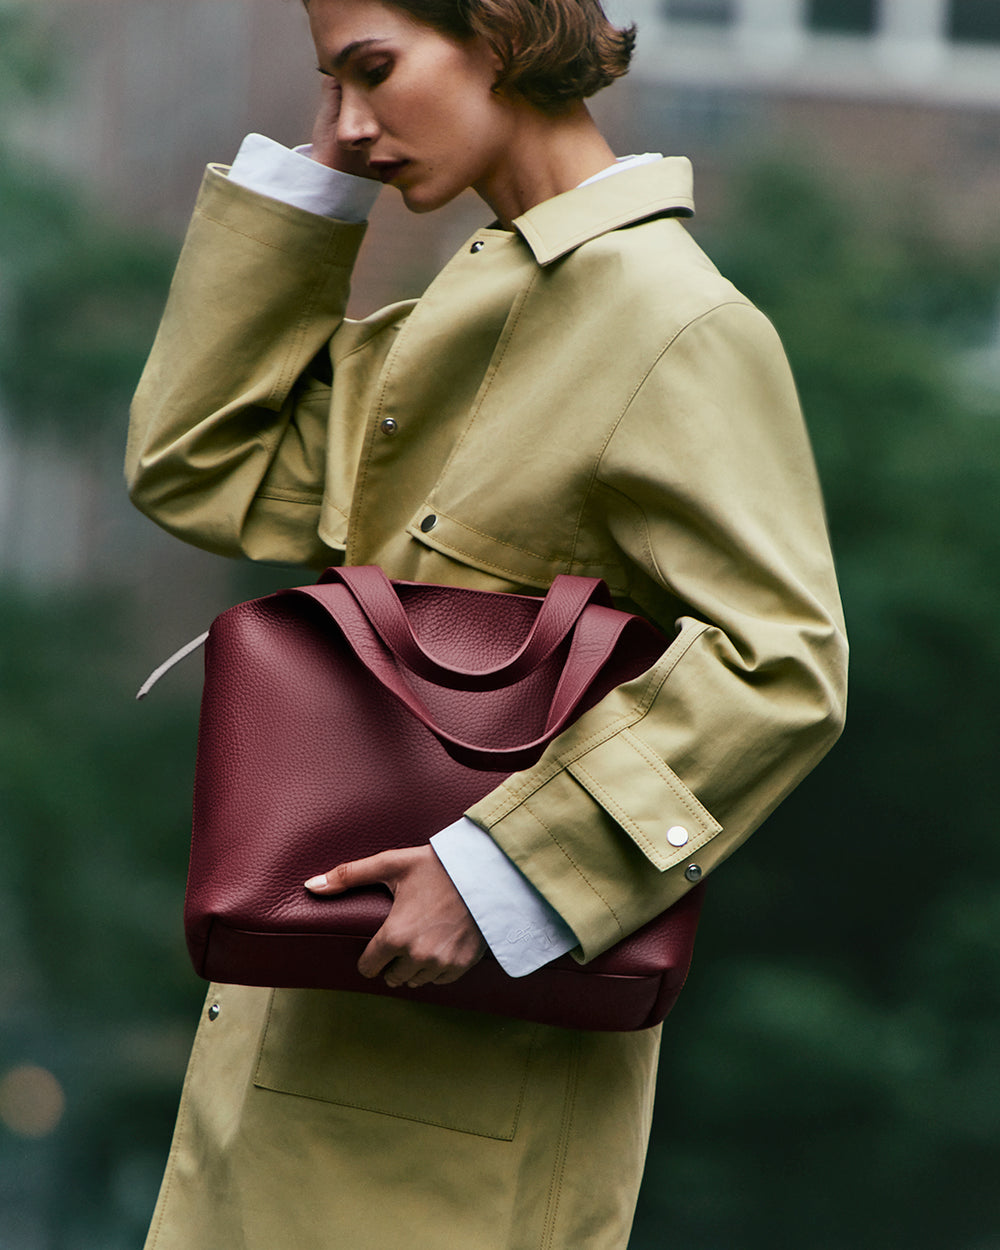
x: 455, y: 1069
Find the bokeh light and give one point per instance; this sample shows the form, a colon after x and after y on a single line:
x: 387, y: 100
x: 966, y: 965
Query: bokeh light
x: 32, y: 1101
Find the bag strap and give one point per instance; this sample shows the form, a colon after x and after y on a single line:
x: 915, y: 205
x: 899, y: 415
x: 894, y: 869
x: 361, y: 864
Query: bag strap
x: 558, y: 613
x: 599, y: 632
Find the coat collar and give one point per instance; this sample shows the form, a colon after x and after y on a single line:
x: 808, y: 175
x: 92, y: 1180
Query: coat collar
x: 557, y: 226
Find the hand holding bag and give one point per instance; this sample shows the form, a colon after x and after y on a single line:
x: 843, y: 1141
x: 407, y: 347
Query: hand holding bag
x: 359, y: 715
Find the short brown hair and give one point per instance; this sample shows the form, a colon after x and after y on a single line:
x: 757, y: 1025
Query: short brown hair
x: 551, y: 52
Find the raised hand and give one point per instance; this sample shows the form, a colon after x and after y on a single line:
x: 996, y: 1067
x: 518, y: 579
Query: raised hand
x: 327, y: 146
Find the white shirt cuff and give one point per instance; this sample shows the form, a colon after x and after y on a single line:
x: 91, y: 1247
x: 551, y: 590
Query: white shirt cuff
x: 521, y: 929
x: 287, y: 174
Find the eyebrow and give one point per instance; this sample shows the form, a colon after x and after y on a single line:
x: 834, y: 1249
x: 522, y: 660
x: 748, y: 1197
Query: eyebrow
x: 345, y: 54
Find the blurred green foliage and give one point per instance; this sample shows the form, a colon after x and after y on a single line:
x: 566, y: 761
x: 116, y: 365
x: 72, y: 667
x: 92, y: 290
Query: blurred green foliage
x: 78, y: 298
x: 830, y: 1077
x: 94, y: 981
x: 27, y: 69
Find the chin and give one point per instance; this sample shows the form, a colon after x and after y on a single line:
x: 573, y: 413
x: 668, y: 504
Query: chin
x: 426, y: 199
x: 418, y: 206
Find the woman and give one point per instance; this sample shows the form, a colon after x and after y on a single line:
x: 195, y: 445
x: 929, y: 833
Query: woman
x: 578, y: 391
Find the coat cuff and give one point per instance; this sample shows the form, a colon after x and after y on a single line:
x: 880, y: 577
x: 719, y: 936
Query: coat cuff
x: 649, y: 837
x: 260, y: 219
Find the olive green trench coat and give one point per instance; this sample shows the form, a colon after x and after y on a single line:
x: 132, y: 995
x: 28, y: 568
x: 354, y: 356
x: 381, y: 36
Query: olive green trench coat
x: 584, y: 394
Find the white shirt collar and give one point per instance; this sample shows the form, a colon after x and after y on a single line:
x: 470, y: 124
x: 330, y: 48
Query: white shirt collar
x: 622, y: 163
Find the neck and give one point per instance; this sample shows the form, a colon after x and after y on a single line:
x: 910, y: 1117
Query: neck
x: 547, y: 156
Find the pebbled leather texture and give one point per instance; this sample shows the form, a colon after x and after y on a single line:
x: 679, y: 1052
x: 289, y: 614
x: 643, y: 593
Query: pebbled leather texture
x: 322, y: 739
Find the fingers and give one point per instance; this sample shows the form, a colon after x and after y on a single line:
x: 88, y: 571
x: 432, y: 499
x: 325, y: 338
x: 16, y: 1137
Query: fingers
x: 424, y: 977
x: 328, y: 112
x: 431, y: 960
x: 405, y: 971
x: 380, y: 869
x: 379, y: 954
x: 396, y: 962
x: 452, y: 974
x: 325, y: 148
x: 402, y: 971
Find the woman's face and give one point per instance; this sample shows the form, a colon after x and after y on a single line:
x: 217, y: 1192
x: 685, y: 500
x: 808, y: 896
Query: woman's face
x: 416, y: 104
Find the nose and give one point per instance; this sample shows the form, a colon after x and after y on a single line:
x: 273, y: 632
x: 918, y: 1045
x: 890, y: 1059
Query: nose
x: 356, y: 127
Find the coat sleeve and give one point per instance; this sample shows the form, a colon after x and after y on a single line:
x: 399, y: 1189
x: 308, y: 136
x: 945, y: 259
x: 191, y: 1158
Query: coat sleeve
x: 708, y: 487
x: 227, y: 436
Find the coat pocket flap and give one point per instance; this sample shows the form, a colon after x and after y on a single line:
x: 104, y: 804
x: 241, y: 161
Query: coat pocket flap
x: 646, y: 797
x: 435, y: 529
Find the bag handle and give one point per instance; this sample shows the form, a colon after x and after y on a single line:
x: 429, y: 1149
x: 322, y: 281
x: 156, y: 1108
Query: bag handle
x: 558, y: 613
x: 595, y: 639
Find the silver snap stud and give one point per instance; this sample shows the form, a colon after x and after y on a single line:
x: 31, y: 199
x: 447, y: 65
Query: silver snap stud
x: 477, y: 246
x: 428, y: 523
x: 389, y: 426
x: 213, y: 1011
x: 692, y: 872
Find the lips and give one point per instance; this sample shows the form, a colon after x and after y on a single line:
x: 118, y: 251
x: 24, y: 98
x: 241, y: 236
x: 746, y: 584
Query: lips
x: 386, y: 171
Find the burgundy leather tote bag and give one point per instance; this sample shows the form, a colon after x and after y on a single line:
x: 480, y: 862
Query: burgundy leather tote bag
x: 359, y: 715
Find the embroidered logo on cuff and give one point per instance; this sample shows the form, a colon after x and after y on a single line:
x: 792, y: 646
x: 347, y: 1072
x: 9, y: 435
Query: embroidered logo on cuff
x: 546, y: 936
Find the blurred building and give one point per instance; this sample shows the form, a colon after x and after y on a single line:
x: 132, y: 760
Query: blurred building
x: 902, y: 91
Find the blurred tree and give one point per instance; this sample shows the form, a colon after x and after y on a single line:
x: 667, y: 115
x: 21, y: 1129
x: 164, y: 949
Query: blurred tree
x: 80, y: 299
x: 80, y: 295
x: 27, y: 71
x: 830, y: 1081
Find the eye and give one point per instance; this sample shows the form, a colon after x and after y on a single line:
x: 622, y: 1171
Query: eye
x: 376, y: 73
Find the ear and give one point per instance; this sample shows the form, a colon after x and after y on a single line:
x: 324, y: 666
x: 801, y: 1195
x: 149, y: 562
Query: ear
x: 484, y: 52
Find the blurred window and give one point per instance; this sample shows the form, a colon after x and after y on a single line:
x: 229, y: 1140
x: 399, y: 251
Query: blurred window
x: 974, y: 21
x: 705, y: 122
x: 706, y: 12
x: 853, y: 17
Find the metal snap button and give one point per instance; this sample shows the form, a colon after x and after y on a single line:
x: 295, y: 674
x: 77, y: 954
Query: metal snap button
x: 389, y: 426
x: 428, y: 523
x: 692, y: 872
x: 678, y: 835
x: 477, y: 246
x: 213, y: 1011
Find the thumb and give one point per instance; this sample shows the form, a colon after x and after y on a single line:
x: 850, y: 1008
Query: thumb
x: 375, y: 870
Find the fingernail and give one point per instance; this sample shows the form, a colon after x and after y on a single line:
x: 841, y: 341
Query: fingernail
x: 317, y: 883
